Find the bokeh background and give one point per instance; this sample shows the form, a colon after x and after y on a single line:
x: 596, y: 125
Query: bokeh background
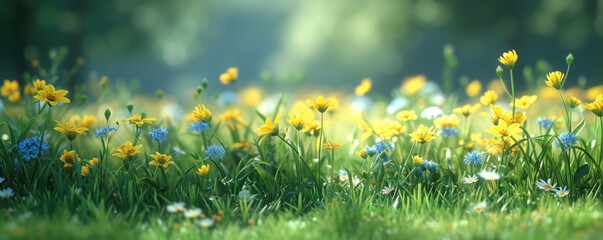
x: 172, y: 45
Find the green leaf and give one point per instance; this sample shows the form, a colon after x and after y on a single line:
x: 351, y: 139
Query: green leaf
x: 581, y: 172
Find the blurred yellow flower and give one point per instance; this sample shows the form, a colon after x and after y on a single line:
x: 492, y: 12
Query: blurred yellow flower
x: 161, y: 160
x: 491, y: 145
x: 138, y: 120
x: 93, y: 162
x: 85, y: 170
x: 30, y: 90
x: 251, y: 96
x: 474, y: 88
x: 330, y: 146
x: 229, y: 76
x: 416, y: 159
x: 14, y: 97
x: 508, y: 59
x: 203, y: 170
x: 9, y: 87
x: 497, y: 113
x: 406, y: 115
x: 242, y: 144
x: 68, y: 158
x: 519, y: 117
x: 85, y: 121
x: 52, y: 96
x: 364, y: 87
x: 126, y: 150
x: 414, y: 84
x: 302, y: 108
x: 489, y: 97
x: 554, y: 79
x: 524, y: 102
x: 362, y: 153
x: 321, y: 105
x: 233, y: 118
x: 573, y: 102
x: 596, y: 106
x: 593, y: 92
x: 467, y: 109
x: 446, y: 121
x: 297, y: 121
x: 70, y: 130
x: 39, y: 84
x: 268, y: 129
x: 312, y: 127
x: 202, y: 114
x: 505, y: 131
x: 422, y: 134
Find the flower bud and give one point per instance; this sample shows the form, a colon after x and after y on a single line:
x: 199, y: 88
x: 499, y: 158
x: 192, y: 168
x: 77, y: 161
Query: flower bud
x: 569, y: 59
x: 499, y: 71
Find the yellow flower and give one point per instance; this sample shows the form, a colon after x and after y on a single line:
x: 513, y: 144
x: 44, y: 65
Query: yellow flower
x: 508, y: 59
x: 592, y: 92
x: 68, y: 158
x: 407, y: 115
x: 416, y: 159
x: 242, y: 144
x: 554, y: 79
x: 489, y: 97
x: 385, y: 129
x: 364, y: 87
x: 93, y: 162
x: 233, y: 118
x: 446, y: 121
x: 467, y: 109
x: 85, y: 121
x: 321, y: 105
x: 126, y: 150
x: 9, y: 87
x: 268, y: 129
x: 297, y: 121
x: 251, y: 96
x: 330, y: 146
x: 474, y: 88
x: 39, y: 84
x: 312, y: 127
x: 203, y: 170
x: 202, y: 114
x: 161, y: 160
x: 422, y: 134
x: 138, y: 120
x: 414, y: 84
x: 596, y: 106
x: 52, y: 96
x: 14, y: 97
x: 229, y: 76
x: 505, y: 131
x: 497, y: 113
x: 362, y: 153
x: 491, y: 145
x: 85, y: 170
x: 573, y: 102
x: 519, y: 117
x: 524, y: 102
x: 30, y: 90
x: 70, y: 130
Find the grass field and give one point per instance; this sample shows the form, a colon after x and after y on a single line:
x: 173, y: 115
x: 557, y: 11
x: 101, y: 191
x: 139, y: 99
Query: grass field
x: 100, y: 160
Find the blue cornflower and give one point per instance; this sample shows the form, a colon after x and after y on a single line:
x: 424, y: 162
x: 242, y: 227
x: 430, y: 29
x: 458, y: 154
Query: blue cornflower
x: 430, y: 165
x: 105, y: 130
x: 198, y: 127
x: 417, y: 172
x: 158, y: 134
x: 381, y: 146
x: 29, y: 148
x: 215, y: 152
x: 449, y: 132
x: 371, y: 151
x: 545, y: 123
x: 567, y: 139
x: 474, y: 158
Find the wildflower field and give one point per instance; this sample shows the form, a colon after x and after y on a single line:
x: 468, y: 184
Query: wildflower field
x: 517, y: 158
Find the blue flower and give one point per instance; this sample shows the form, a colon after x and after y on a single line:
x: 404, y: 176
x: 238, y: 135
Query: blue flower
x: 449, y: 132
x: 105, y: 130
x: 215, y: 152
x: 567, y: 139
x: 417, y: 172
x: 396, y: 105
x: 545, y: 123
x: 381, y: 146
x: 474, y: 158
x: 158, y: 134
x: 371, y: 151
x: 198, y: 127
x: 29, y: 148
x: 430, y: 165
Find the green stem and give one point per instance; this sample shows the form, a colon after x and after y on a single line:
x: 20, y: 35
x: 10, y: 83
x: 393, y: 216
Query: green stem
x: 320, y: 148
x: 567, y: 114
x: 43, y: 131
x: 512, y: 93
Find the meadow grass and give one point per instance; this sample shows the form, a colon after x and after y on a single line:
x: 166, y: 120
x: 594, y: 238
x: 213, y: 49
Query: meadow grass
x: 99, y: 161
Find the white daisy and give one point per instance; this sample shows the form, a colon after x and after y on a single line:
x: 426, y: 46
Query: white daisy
x: 6, y: 193
x: 546, y: 186
x: 489, y: 175
x: 478, y: 207
x: 206, y: 222
x: 176, y: 207
x: 470, y: 179
x: 192, y: 213
x: 561, y: 192
x: 387, y: 190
